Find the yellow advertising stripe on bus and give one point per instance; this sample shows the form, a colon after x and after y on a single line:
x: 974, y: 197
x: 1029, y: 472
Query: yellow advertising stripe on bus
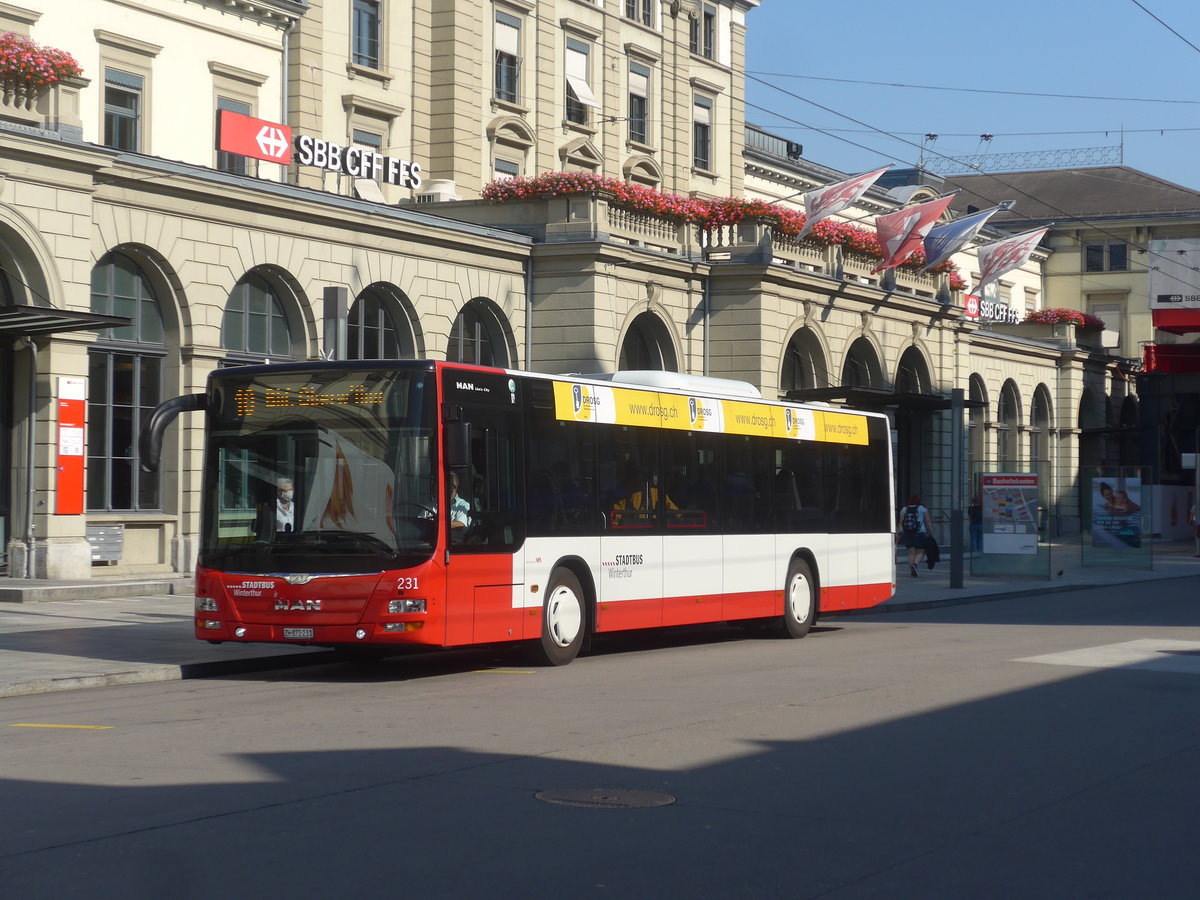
x: 650, y: 409
x: 749, y: 418
x: 841, y: 428
x: 680, y: 412
x: 583, y: 403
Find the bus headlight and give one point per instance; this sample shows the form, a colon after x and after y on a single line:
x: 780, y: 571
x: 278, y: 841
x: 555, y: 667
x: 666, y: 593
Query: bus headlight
x: 206, y: 604
x: 406, y: 605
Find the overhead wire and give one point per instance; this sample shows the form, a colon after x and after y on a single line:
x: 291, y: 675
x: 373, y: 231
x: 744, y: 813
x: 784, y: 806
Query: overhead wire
x: 1165, y: 25
x: 964, y: 90
x: 1091, y: 223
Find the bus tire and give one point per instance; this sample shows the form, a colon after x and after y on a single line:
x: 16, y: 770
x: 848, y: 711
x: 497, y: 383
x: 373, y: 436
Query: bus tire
x: 564, y: 619
x: 799, y: 600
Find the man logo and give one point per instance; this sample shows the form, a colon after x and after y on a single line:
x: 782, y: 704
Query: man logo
x: 692, y: 409
x: 787, y: 420
x: 577, y: 397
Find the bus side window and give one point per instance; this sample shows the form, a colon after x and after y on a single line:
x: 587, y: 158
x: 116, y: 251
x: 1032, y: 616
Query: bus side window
x: 692, y: 475
x: 561, y: 485
x: 489, y: 483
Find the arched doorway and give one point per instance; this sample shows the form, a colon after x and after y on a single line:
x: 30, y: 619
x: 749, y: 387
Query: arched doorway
x: 125, y: 383
x: 803, y: 366
x: 913, y: 423
x: 647, y: 346
x: 862, y: 367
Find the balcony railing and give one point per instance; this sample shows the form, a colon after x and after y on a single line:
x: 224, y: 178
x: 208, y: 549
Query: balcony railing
x: 54, y: 107
x: 593, y: 217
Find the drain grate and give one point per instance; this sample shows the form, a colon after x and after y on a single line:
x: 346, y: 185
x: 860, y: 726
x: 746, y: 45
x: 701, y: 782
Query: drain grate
x: 606, y: 798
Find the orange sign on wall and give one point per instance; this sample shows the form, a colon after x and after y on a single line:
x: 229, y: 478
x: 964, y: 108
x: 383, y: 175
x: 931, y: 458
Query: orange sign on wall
x: 72, y: 413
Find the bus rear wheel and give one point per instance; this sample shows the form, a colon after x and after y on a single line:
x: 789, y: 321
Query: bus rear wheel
x: 564, y: 617
x: 799, y: 600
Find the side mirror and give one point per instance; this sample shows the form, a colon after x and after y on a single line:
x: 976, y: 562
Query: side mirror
x: 458, y: 444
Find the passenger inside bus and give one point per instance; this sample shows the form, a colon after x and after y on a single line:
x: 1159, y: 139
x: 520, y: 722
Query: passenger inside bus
x: 638, y: 505
x: 285, y: 506
x: 276, y: 516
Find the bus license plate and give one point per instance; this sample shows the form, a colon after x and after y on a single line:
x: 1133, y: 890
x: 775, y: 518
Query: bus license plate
x: 297, y: 634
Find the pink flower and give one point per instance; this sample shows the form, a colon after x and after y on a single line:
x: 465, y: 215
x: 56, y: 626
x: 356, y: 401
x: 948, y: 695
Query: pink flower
x: 23, y: 60
x: 1061, y: 314
x: 705, y: 214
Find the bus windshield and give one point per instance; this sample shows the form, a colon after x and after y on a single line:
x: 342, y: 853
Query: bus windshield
x: 329, y: 471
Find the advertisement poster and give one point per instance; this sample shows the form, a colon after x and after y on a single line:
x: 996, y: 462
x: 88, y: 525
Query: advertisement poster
x: 1009, y: 513
x: 1116, y: 512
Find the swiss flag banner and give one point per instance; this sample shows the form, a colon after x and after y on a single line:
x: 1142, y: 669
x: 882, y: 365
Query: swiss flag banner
x: 831, y: 199
x: 1003, y: 256
x: 903, y: 232
x: 256, y: 138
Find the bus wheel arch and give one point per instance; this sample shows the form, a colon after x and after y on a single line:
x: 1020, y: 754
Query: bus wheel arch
x: 567, y: 614
x: 801, y: 595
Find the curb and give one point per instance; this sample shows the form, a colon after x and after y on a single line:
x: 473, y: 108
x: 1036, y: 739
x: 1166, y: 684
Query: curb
x: 155, y: 674
x: 985, y: 598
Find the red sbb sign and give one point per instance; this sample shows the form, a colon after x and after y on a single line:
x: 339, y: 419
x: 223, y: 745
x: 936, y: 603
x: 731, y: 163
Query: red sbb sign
x: 256, y: 138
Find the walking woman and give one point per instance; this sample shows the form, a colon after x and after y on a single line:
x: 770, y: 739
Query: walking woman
x: 914, y: 527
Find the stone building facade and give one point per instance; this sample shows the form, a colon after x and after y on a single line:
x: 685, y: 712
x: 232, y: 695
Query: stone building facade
x: 137, y: 257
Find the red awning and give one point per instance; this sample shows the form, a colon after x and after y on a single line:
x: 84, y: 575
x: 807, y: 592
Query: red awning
x: 1177, y: 321
x: 1172, y: 359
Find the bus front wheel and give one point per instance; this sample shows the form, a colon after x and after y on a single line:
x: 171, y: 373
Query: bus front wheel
x: 564, y: 617
x: 799, y: 600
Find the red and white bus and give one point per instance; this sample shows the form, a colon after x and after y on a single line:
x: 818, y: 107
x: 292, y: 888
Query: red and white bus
x: 584, y: 505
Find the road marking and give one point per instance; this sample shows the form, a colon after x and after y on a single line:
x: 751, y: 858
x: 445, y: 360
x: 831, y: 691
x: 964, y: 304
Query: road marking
x: 44, y: 725
x: 1182, y: 657
x: 503, y: 672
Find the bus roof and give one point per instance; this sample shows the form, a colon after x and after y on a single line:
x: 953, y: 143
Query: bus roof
x: 677, y: 381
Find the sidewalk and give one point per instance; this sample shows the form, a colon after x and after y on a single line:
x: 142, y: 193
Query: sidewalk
x: 1172, y: 559
x: 68, y: 644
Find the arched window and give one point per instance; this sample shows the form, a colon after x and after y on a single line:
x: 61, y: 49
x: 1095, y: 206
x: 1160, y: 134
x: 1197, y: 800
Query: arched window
x: 125, y: 382
x: 1008, y: 415
x: 254, y: 326
x: 647, y: 346
x: 976, y: 450
x: 803, y: 363
x: 912, y: 375
x: 477, y: 336
x: 378, y: 329
x: 1039, y: 426
x: 862, y: 367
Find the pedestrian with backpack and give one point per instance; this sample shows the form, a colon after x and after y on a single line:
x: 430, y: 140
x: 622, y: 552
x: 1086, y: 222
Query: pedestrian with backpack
x: 914, y: 528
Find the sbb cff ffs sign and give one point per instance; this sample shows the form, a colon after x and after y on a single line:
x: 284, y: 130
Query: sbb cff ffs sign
x: 272, y: 142
x: 256, y: 138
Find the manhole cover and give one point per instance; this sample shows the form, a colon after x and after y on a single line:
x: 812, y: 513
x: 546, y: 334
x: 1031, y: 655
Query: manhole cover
x: 606, y: 798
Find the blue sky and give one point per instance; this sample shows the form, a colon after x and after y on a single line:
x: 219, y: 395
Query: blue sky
x: 1095, y: 48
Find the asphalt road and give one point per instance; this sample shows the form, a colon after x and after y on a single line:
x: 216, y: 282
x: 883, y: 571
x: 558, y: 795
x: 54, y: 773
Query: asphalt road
x: 1038, y: 747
